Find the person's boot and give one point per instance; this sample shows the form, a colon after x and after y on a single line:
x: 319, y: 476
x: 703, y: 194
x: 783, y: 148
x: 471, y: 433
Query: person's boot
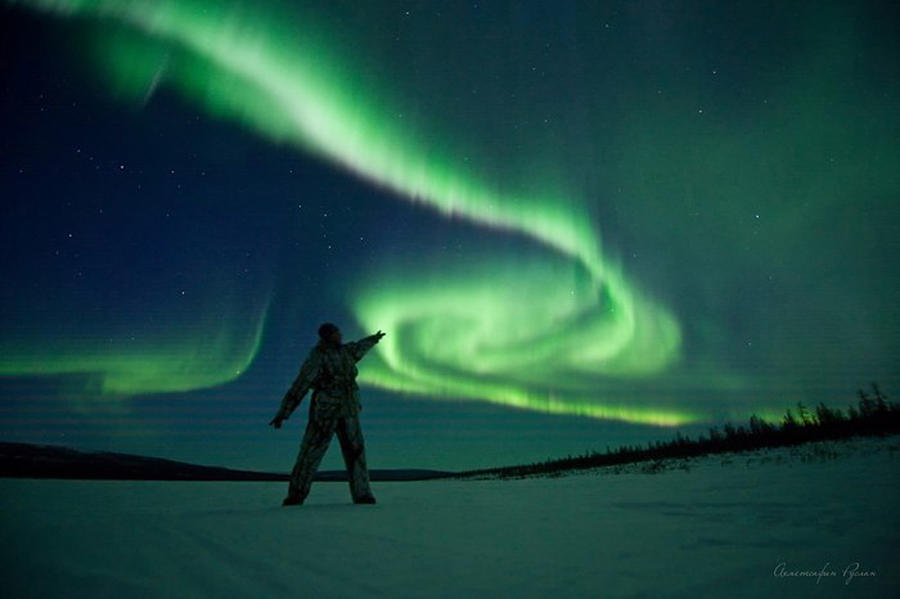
x: 292, y: 499
x: 365, y: 499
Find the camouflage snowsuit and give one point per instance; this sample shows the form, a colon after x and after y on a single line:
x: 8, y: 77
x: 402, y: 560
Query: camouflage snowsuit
x: 334, y: 408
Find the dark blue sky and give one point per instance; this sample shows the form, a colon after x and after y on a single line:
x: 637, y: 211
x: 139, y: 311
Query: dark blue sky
x: 166, y: 261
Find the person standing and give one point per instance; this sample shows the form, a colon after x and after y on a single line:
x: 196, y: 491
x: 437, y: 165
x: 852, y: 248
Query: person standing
x: 330, y: 370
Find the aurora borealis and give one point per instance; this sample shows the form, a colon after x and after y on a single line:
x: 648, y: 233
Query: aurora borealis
x: 633, y: 214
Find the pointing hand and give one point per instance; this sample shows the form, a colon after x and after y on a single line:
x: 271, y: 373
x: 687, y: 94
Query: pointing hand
x: 276, y: 422
x: 380, y: 335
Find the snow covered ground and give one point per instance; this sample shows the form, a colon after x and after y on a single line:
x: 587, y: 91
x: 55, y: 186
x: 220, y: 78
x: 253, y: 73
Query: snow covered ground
x: 719, y: 526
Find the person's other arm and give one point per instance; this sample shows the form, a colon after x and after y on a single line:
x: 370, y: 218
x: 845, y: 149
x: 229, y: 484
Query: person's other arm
x: 308, y: 373
x: 359, y: 348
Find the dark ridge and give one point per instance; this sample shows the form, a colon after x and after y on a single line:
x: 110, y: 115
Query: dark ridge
x: 24, y: 460
x: 873, y: 415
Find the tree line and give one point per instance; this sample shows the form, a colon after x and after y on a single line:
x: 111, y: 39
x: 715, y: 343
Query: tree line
x: 873, y: 414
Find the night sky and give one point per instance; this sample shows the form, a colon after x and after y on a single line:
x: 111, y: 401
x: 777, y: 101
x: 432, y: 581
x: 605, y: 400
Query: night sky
x: 579, y: 225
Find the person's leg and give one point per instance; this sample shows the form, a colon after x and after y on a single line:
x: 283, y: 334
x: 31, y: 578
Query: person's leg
x: 353, y: 448
x: 313, y: 447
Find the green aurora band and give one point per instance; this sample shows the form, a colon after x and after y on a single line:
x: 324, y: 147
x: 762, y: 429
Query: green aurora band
x: 541, y: 334
x: 203, y: 354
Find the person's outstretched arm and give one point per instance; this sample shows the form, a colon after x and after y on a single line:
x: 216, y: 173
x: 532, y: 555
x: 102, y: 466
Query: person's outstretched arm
x: 359, y: 348
x: 308, y: 373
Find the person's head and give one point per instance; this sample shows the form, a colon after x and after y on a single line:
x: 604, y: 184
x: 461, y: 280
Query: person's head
x: 329, y: 333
